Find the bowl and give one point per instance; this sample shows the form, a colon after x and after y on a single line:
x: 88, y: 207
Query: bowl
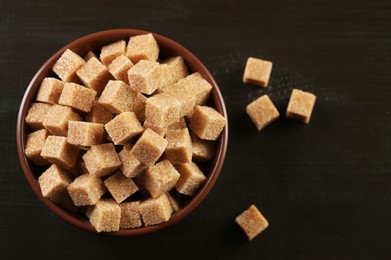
x: 94, y: 42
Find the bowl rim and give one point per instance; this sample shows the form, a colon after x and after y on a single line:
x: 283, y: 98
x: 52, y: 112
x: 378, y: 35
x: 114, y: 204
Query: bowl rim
x: 28, y: 98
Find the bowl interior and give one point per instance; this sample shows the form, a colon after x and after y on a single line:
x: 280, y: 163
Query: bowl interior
x: 94, y: 42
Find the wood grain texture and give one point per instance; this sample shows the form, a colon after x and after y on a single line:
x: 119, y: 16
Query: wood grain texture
x: 324, y: 187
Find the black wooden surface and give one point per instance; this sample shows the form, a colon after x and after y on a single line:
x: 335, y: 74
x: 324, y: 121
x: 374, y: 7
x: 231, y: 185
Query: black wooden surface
x: 325, y: 188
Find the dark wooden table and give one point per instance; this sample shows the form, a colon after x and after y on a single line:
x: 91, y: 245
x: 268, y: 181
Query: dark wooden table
x: 324, y: 187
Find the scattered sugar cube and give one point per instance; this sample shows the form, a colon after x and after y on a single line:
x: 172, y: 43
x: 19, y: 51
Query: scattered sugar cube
x: 105, y: 215
x: 53, y: 183
x: 99, y: 114
x: 130, y: 215
x: 159, y: 130
x: 123, y: 128
x: 34, y: 145
x: 142, y: 47
x: 89, y: 56
x: 257, y: 72
x: 301, y: 105
x: 85, y: 133
x: 174, y: 201
x: 179, y: 149
x: 36, y: 114
x: 207, y: 123
x: 86, y: 190
x: 131, y: 166
x: 111, y: 51
x: 162, y: 110
x: 160, y: 178
x: 67, y: 65
x: 101, y: 160
x: 117, y: 97
x: 176, y: 69
x: 203, y: 150
x: 57, y: 150
x: 120, y: 187
x: 145, y: 76
x: 262, y: 112
x: 77, y: 97
x: 119, y: 68
x: 50, y: 90
x: 149, y: 147
x: 191, y: 178
x: 155, y: 210
x: 138, y: 107
x: 252, y: 222
x: 94, y: 75
x: 57, y: 119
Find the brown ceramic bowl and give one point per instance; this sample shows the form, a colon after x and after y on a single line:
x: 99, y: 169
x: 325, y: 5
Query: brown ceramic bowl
x: 93, y: 42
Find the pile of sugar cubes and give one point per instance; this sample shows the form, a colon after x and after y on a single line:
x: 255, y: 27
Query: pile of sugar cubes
x: 122, y: 137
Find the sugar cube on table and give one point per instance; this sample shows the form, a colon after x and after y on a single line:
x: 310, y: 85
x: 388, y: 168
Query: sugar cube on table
x: 300, y: 105
x: 257, y: 72
x: 262, y: 112
x: 252, y: 222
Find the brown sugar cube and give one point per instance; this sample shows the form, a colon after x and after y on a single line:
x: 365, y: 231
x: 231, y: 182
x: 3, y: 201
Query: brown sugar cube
x: 142, y: 47
x: 53, y: 183
x: 111, y: 51
x: 89, y: 56
x: 77, y: 96
x: 179, y: 149
x: 161, y: 178
x: 200, y: 87
x: 145, y: 76
x: 120, y: 187
x: 162, y: 110
x: 85, y: 133
x: 124, y: 127
x: 119, y: 68
x: 36, y: 114
x: 257, y: 72
x: 176, y: 70
x: 252, y: 222
x: 138, y: 107
x: 203, y: 150
x: 67, y: 203
x: 149, y: 147
x: 101, y: 160
x: 182, y: 92
x: 262, y: 112
x: 105, y: 215
x: 178, y: 125
x: 86, y: 190
x: 94, y: 75
x: 159, y: 130
x: 139, y: 180
x: 174, y: 201
x: 207, y: 123
x: 57, y: 150
x: 131, y: 166
x: 191, y: 178
x: 301, y: 105
x: 57, y: 119
x: 155, y: 210
x: 34, y: 144
x: 130, y: 215
x: 99, y: 114
x: 67, y: 65
x: 50, y: 90
x: 117, y: 97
